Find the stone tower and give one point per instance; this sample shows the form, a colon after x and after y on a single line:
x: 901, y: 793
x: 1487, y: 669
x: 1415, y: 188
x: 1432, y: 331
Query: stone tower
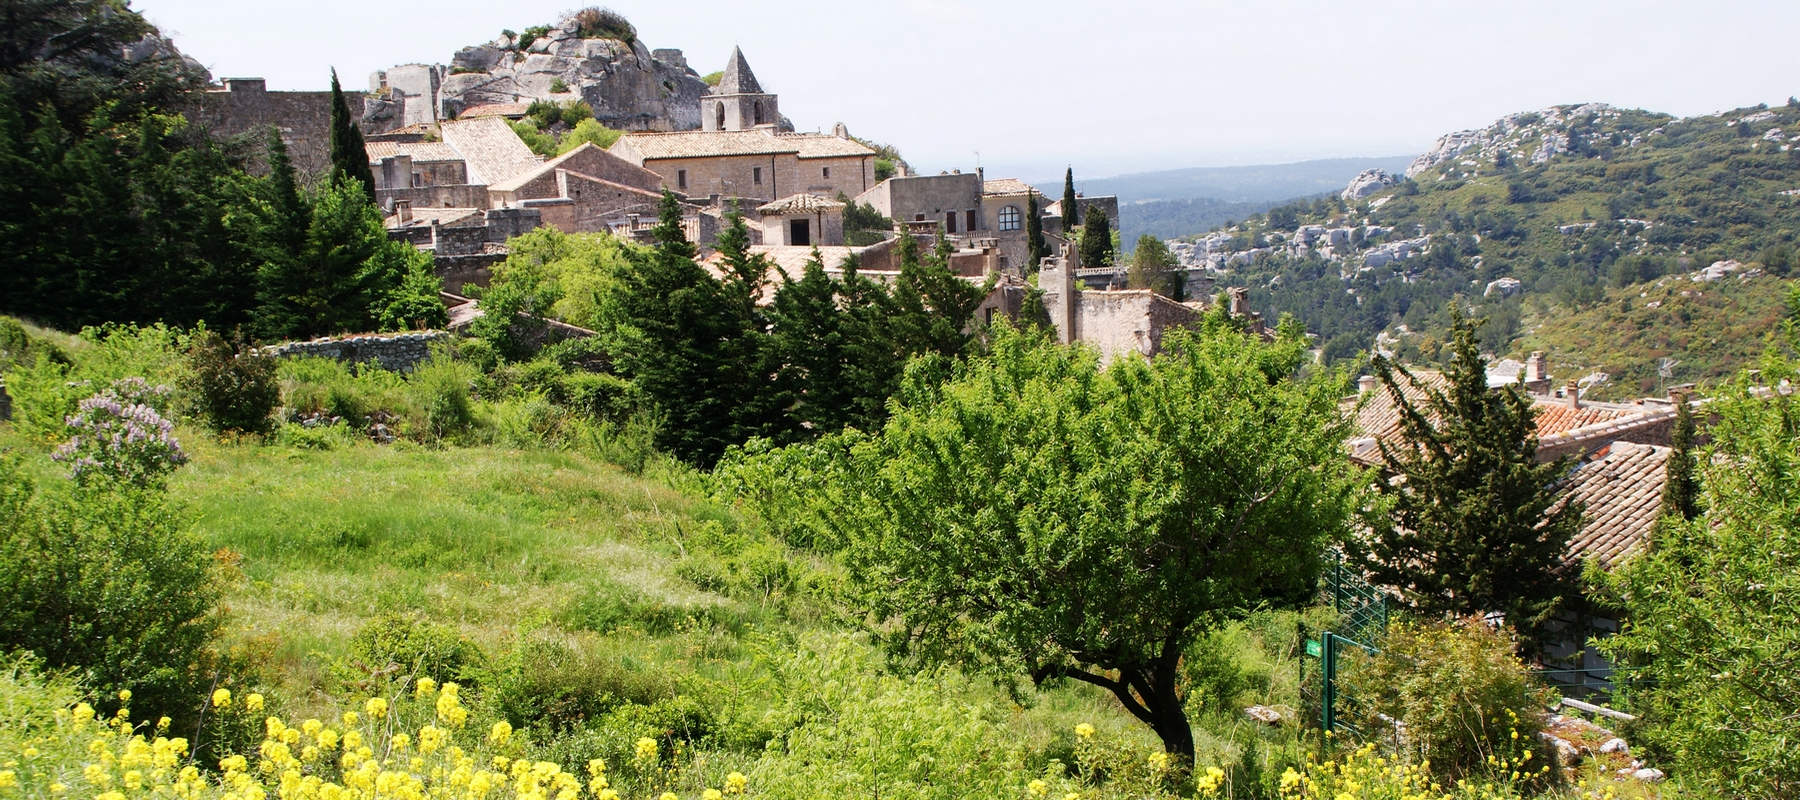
x: 738, y: 103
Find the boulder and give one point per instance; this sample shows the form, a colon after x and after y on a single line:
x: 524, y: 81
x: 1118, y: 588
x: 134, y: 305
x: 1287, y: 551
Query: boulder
x: 479, y: 58
x: 1615, y: 745
x: 1367, y: 183
x: 1648, y: 775
x: 1263, y: 714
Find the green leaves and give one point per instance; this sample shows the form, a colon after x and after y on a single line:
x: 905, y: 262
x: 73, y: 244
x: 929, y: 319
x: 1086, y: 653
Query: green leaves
x: 1040, y: 515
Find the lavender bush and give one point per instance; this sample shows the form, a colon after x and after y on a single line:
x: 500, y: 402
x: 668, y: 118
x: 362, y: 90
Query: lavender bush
x: 119, y: 436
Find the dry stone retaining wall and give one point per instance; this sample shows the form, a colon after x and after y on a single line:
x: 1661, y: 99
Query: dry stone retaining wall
x: 395, y: 352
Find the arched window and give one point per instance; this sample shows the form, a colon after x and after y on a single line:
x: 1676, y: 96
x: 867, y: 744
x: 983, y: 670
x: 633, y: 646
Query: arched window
x: 1011, y: 219
x: 758, y: 112
x: 721, y: 113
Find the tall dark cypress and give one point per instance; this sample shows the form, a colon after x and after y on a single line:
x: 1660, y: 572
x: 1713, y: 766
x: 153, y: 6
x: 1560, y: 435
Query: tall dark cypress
x: 348, y: 156
x: 1070, y: 218
x: 1034, y: 234
x: 1096, y: 239
x: 1681, y: 491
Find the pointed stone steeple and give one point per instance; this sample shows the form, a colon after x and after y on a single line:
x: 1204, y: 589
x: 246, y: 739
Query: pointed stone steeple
x: 738, y: 77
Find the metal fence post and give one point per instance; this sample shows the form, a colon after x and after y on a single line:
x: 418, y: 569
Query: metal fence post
x: 1328, y: 668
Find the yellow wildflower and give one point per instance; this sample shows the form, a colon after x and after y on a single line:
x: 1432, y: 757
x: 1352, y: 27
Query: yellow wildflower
x: 58, y: 788
x: 646, y: 748
x: 735, y: 783
x: 425, y: 687
x: 668, y: 796
x: 8, y: 779
x: 221, y: 698
x: 253, y: 703
x: 376, y: 707
x: 349, y: 718
x: 501, y: 733
x: 124, y: 695
x: 1084, y: 730
x: 712, y: 794
x: 1037, y: 788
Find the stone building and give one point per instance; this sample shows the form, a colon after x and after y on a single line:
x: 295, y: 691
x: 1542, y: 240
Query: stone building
x: 760, y: 164
x: 246, y: 106
x: 584, y: 190
x: 1114, y: 322
x: 452, y: 173
x: 738, y: 103
x: 802, y: 220
x: 966, y: 205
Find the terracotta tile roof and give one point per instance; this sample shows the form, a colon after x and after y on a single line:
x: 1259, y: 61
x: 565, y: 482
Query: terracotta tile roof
x: 824, y: 145
x: 420, y: 151
x: 1554, y: 417
x: 704, y: 144
x: 495, y: 110
x: 1620, y: 488
x: 490, y: 148
x: 1006, y: 187
x: 799, y: 204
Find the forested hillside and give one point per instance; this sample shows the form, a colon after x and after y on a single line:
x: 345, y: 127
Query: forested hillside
x: 1586, y: 208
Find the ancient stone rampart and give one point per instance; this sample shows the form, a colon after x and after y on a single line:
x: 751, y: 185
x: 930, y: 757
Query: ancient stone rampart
x: 393, y: 352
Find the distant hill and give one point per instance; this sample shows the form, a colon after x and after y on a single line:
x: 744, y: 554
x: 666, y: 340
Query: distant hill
x: 1565, y: 226
x: 1260, y: 183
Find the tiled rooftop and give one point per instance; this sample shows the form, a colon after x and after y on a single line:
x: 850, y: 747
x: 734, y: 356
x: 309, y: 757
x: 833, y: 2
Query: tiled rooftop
x: 420, y: 151
x: 1620, y: 487
x: 491, y: 149
x: 1006, y: 187
x: 707, y: 144
x: 495, y: 110
x: 799, y: 204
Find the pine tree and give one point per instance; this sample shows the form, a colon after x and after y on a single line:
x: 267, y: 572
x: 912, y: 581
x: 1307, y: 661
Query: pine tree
x: 1477, y: 523
x: 348, y: 155
x: 1037, y: 249
x: 1154, y: 267
x: 1070, y: 219
x: 1681, y: 490
x: 1096, y: 239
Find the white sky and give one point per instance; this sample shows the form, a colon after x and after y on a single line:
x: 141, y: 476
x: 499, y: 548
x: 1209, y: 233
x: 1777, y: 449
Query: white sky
x: 1109, y: 86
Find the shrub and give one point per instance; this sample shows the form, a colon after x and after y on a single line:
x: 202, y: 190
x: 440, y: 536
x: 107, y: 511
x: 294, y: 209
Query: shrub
x: 559, y: 86
x: 47, y: 391
x: 19, y: 348
x: 604, y: 23
x: 1463, y: 703
x: 321, y: 390
x: 441, y: 388
x: 119, y: 437
x: 588, y: 130
x: 108, y: 583
x: 234, y: 386
x: 399, y: 649
x: 548, y: 685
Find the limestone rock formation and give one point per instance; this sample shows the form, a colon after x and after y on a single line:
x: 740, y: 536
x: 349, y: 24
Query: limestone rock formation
x: 1368, y: 183
x: 1536, y: 136
x: 629, y: 86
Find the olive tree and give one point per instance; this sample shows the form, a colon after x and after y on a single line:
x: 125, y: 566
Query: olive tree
x: 1039, y: 514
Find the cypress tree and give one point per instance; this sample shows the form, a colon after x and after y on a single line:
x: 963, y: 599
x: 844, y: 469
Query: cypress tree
x: 1681, y: 491
x: 1096, y: 239
x: 1038, y: 249
x: 348, y: 155
x: 1070, y: 220
x: 1477, y: 522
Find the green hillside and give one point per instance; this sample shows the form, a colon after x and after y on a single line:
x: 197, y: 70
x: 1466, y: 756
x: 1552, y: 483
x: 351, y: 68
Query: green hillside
x: 1586, y: 207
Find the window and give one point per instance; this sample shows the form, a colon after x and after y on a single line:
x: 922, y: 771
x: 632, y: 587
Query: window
x: 972, y: 220
x: 949, y: 222
x: 756, y: 175
x: 758, y: 108
x: 799, y: 233
x: 1010, y: 218
x: 721, y: 116
x: 918, y: 218
x: 681, y: 178
x: 418, y: 179
x: 827, y: 172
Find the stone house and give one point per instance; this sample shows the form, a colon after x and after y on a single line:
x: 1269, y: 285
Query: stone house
x: 759, y: 164
x: 246, y: 106
x: 966, y: 205
x: 584, y: 190
x: 453, y: 172
x: 802, y: 220
x: 1115, y: 322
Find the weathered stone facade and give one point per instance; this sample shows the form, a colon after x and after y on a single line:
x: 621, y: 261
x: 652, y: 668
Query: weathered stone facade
x: 392, y: 352
x: 246, y: 106
x: 1114, y: 322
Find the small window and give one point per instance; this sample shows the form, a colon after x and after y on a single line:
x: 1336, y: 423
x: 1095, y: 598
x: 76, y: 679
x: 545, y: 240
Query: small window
x: 799, y: 232
x: 918, y: 218
x: 756, y: 175
x: 827, y: 172
x: 681, y: 178
x: 720, y: 108
x: 949, y: 222
x: 1010, y: 218
x: 418, y: 179
x: 972, y: 220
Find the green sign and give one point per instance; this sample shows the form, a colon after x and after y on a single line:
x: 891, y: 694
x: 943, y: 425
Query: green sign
x: 1314, y: 649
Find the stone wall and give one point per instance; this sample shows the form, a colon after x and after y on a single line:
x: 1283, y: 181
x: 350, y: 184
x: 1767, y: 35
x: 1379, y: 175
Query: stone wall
x: 245, y: 105
x: 393, y: 352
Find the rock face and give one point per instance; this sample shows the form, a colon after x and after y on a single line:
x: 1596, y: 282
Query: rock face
x: 629, y: 86
x: 1537, y: 136
x: 1368, y: 183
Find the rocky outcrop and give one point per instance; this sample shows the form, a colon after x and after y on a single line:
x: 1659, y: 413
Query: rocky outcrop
x: 1367, y: 183
x: 1536, y: 136
x: 629, y: 86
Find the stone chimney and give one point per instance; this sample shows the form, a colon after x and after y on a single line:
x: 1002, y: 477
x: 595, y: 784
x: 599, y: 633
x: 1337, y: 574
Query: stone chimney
x: 403, y: 210
x: 1573, y: 391
x: 1537, y: 373
x: 1239, y: 299
x: 1366, y: 384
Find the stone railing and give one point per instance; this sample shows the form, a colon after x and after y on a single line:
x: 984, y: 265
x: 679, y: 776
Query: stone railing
x: 398, y: 352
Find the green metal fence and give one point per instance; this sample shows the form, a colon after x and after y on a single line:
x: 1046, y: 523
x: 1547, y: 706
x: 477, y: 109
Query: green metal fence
x: 1362, y: 611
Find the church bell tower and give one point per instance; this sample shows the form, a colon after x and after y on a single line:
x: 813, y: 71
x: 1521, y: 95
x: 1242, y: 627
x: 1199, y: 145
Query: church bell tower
x: 738, y: 103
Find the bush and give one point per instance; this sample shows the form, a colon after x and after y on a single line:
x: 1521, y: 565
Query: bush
x: 1465, y: 705
x: 19, y: 348
x: 399, y: 649
x: 548, y: 685
x: 118, y: 437
x: 321, y: 390
x: 604, y: 23
x: 46, y: 391
x: 108, y: 583
x: 234, y: 385
x: 441, y: 388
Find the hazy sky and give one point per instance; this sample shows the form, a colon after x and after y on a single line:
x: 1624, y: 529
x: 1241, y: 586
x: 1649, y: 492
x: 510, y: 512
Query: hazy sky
x: 1109, y: 86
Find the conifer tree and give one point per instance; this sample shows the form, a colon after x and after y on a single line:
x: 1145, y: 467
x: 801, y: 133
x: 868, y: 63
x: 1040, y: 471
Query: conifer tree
x: 1096, y: 239
x: 1037, y: 248
x: 1070, y: 219
x: 1154, y: 267
x: 1681, y: 490
x: 1477, y: 524
x: 348, y: 155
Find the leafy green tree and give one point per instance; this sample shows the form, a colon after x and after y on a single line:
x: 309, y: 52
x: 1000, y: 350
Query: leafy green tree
x: 1478, y: 523
x: 1709, y: 607
x: 1154, y: 267
x: 1069, y: 205
x: 1037, y: 249
x: 1096, y: 239
x: 1681, y: 487
x: 586, y: 131
x: 1040, y: 516
x: 933, y: 306
x: 348, y: 155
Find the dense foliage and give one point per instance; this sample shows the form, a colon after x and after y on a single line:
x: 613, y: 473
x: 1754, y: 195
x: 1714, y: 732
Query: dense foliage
x: 1039, y: 516
x: 1709, y: 632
